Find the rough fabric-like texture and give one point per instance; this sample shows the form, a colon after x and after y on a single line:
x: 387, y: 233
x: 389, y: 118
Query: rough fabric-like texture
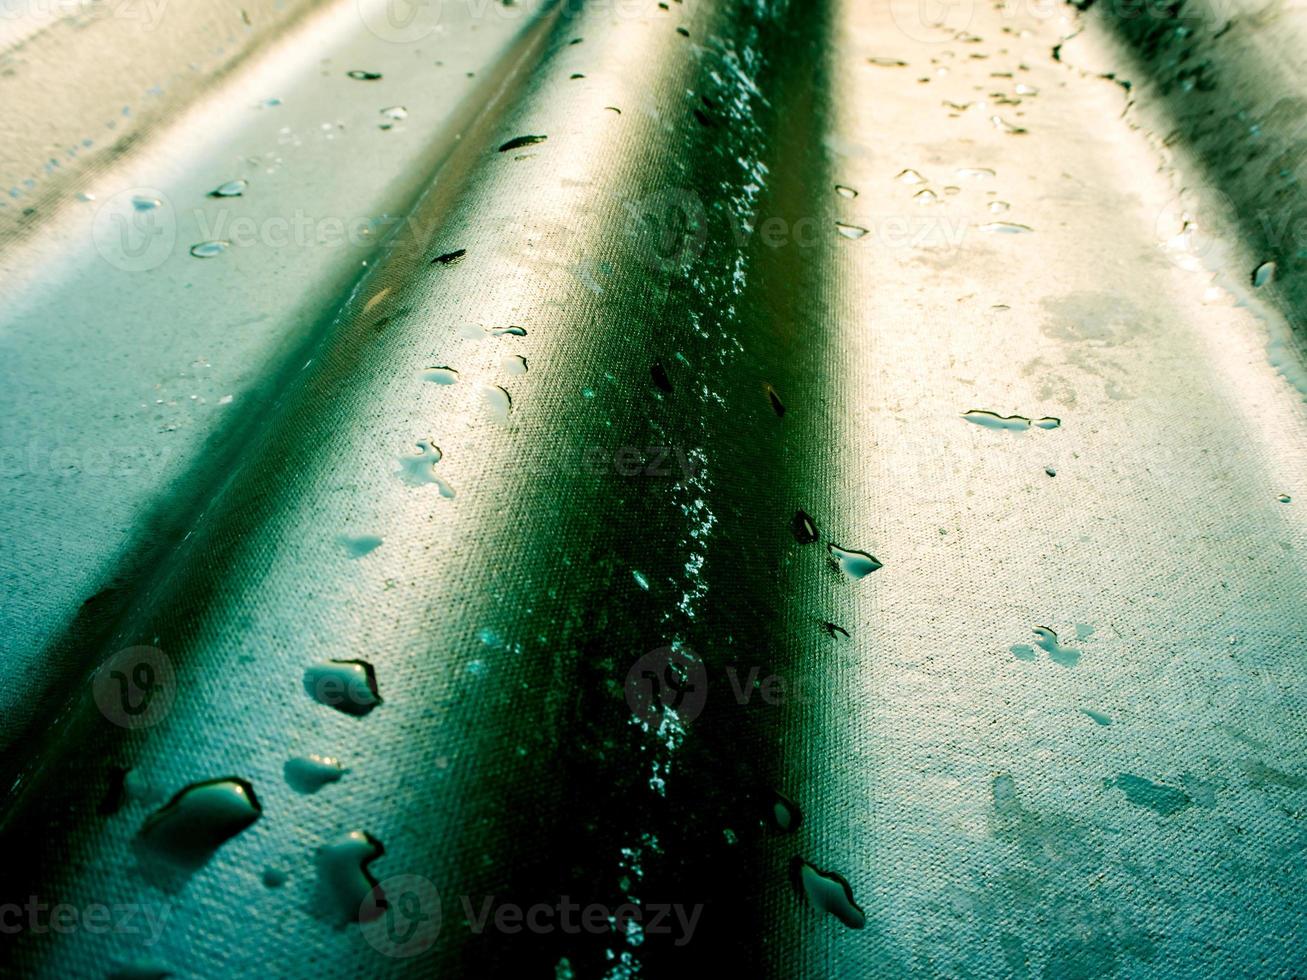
x: 737, y: 305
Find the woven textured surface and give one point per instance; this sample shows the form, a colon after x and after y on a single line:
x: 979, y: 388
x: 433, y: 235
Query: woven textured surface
x: 987, y: 819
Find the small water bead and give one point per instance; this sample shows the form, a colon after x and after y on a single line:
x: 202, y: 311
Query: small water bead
x: 924, y: 197
x: 803, y: 527
x: 909, y: 176
x: 142, y: 203
x: 883, y: 62
x: 1263, y: 274
x: 507, y: 332
x: 844, y: 191
x: 364, y: 76
x: 855, y: 564
x: 774, y: 399
x: 1098, y: 717
x: 1005, y: 228
x: 517, y: 142
x: 233, y: 188
x: 850, y: 231
x: 640, y: 580
x: 349, y: 686
x: 1023, y: 89
x: 395, y: 112
x: 827, y: 892
x: 274, y: 877
x: 1284, y: 498
x: 309, y: 773
x: 659, y: 375
x: 201, y: 818
x: 1004, y: 126
x: 998, y: 207
x: 209, y: 250
x: 783, y: 813
x: 975, y: 173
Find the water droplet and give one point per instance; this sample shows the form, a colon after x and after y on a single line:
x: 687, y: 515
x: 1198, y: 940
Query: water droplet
x: 362, y: 545
x: 364, y: 76
x: 233, y: 188
x: 420, y: 469
x: 831, y: 629
x: 208, y: 250
x: 783, y: 813
x: 1098, y: 717
x: 1284, y: 498
x: 844, y: 191
x: 274, y: 877
x: 309, y: 773
x: 1023, y: 89
x: 827, y: 891
x: 507, y: 332
x: 1047, y: 422
x: 449, y: 258
x: 975, y: 173
x: 514, y: 364
x: 926, y: 196
x: 803, y: 527
x: 343, y: 871
x: 850, y: 231
x: 142, y: 203
x: 1263, y: 274
x: 517, y: 142
x: 887, y: 62
x: 1046, y: 640
x: 1050, y: 471
x: 1003, y: 125
x: 992, y: 420
x: 640, y: 580
x: 202, y: 817
x: 854, y: 564
x: 1005, y: 228
x: 1023, y: 651
x: 909, y: 176
x: 395, y: 112
x: 349, y: 686
x: 998, y: 207
x: 440, y: 375
x: 497, y: 402
x: 659, y: 375
x: 1166, y: 800
x: 777, y: 405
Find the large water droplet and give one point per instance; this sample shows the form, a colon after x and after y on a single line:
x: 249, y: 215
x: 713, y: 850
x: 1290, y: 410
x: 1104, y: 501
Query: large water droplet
x: 309, y: 773
x: 208, y: 250
x: 233, y: 188
x: 357, y: 547
x: 992, y: 420
x: 854, y: 564
x: 517, y: 142
x: 346, y: 879
x: 827, y: 891
x: 514, y: 364
x: 497, y: 402
x: 1047, y: 640
x: 420, y: 469
x: 440, y: 375
x: 349, y: 686
x: 201, y: 818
